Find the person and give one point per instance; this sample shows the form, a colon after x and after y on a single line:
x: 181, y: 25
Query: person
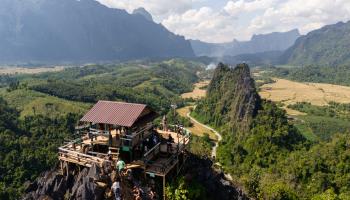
x: 154, y: 139
x: 137, y: 193
x: 116, y: 189
x: 120, y: 166
x: 109, y: 156
x: 170, y: 140
x: 151, y: 194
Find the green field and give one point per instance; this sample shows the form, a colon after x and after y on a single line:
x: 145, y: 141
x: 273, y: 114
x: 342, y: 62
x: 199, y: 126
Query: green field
x: 30, y: 103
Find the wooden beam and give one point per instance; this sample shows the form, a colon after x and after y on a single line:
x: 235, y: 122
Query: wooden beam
x: 164, y: 195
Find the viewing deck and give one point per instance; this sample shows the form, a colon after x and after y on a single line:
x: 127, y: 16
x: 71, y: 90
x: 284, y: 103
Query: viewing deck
x: 158, y: 160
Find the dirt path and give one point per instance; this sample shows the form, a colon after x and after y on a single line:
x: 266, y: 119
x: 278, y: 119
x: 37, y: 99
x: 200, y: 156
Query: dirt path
x: 218, y: 135
x: 200, y: 128
x: 197, y: 129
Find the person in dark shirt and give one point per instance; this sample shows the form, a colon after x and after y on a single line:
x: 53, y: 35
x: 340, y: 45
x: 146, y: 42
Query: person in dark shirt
x: 169, y: 143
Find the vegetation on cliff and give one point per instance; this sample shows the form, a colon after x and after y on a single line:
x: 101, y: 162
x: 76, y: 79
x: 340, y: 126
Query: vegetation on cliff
x: 271, y: 158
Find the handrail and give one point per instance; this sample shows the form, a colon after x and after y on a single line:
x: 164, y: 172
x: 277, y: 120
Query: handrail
x: 78, y: 156
x: 98, y: 132
x: 77, y: 153
x: 147, y: 127
x: 150, y: 151
x: 71, y: 142
x: 97, y: 154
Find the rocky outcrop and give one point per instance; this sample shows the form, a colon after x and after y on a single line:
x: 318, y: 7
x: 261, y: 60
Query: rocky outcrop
x: 77, y: 185
x: 91, y: 184
x: 231, y: 99
x: 51, y: 185
x: 214, y: 181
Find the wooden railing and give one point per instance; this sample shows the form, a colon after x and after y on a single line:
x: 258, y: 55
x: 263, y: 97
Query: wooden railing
x: 151, y: 153
x: 96, y: 132
x: 165, y: 166
x: 135, y: 138
x: 79, y: 158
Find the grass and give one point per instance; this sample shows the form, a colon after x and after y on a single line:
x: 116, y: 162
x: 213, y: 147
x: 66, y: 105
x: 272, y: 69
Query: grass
x: 30, y: 102
x: 306, y: 131
x: 321, y: 128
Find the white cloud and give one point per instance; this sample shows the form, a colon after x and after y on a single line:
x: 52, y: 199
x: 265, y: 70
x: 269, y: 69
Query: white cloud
x: 236, y: 8
x: 158, y: 8
x: 239, y: 18
x: 305, y: 15
x: 204, y: 23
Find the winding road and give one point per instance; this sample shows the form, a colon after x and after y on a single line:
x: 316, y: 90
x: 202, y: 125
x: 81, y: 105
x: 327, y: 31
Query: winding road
x: 213, y: 152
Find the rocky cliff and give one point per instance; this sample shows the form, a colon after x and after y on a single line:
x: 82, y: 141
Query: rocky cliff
x: 94, y: 184
x: 77, y: 185
x: 231, y: 99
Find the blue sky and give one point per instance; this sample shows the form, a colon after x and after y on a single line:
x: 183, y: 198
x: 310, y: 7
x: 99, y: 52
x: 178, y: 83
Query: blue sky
x: 225, y: 20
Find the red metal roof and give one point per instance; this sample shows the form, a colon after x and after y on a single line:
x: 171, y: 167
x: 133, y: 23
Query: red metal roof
x: 118, y: 113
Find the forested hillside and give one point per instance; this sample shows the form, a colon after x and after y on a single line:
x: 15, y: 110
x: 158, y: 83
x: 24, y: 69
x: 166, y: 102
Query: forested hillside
x: 338, y: 75
x: 271, y: 159
x: 28, y: 147
x: 42, y: 110
x: 158, y: 84
x: 326, y: 46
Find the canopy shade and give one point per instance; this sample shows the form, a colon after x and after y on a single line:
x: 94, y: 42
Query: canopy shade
x: 116, y: 113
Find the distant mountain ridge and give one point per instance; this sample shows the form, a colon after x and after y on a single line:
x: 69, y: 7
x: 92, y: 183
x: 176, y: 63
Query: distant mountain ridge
x: 84, y: 30
x: 329, y: 45
x: 143, y: 12
x: 278, y: 41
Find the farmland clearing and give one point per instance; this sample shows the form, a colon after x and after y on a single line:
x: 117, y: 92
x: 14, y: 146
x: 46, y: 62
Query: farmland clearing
x: 198, y: 91
x: 291, y: 92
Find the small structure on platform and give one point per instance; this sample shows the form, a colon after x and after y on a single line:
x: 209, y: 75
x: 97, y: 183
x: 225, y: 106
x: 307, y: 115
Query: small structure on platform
x: 117, y: 131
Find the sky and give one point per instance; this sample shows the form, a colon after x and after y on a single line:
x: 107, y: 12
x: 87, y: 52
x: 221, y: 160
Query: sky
x: 220, y: 21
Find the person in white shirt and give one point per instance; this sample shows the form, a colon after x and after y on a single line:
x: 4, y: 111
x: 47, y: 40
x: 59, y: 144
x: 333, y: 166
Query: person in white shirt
x: 116, y: 189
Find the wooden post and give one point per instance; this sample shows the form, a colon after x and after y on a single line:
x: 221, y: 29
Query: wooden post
x: 177, y: 164
x: 61, y: 162
x: 164, y: 195
x: 67, y: 168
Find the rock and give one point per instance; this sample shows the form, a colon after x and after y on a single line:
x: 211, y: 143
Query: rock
x: 85, y: 186
x: 88, y: 190
x: 50, y: 185
x: 217, y: 186
x: 53, y: 185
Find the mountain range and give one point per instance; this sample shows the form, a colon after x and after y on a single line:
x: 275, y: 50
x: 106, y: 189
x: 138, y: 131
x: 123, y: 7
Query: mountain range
x: 277, y: 41
x: 328, y: 46
x: 84, y: 30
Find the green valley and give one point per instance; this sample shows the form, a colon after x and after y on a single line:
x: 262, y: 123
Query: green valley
x: 264, y: 151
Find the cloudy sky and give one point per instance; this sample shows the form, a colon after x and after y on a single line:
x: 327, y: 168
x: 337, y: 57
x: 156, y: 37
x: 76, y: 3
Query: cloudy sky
x: 224, y: 20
